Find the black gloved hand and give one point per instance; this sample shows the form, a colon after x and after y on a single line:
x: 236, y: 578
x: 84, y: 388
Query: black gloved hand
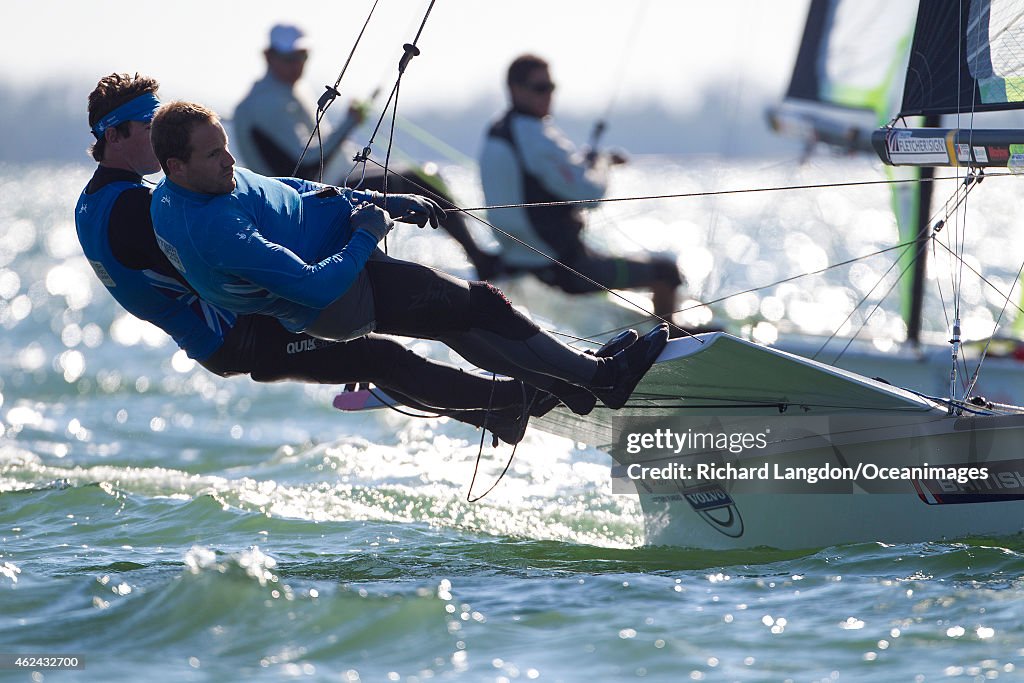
x: 414, y: 208
x: 372, y: 219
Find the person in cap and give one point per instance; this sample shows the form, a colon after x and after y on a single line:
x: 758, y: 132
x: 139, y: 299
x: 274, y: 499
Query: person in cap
x: 275, y: 120
x: 307, y: 255
x: 115, y: 230
x: 526, y: 159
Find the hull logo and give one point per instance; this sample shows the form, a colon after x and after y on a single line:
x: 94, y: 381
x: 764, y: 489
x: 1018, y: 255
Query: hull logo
x: 717, y: 508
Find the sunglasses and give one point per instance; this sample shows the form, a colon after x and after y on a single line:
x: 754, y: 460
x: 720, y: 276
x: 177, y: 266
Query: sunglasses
x: 541, y: 88
x: 295, y: 56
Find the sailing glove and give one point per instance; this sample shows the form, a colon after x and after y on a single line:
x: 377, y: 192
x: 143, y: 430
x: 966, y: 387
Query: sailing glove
x: 372, y: 219
x: 411, y: 208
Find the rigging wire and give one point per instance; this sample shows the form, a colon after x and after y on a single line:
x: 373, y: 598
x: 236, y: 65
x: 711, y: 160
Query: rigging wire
x: 410, y: 50
x: 921, y: 249
x: 327, y: 99
x: 952, y: 212
x: 959, y: 196
x: 553, y: 260
x: 960, y: 229
x: 988, y: 343
x: 864, y: 299
x: 776, y: 283
x: 712, y: 193
x: 922, y: 243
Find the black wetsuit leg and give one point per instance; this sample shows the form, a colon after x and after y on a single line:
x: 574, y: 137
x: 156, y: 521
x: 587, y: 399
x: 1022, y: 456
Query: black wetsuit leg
x: 476, y: 321
x: 262, y: 348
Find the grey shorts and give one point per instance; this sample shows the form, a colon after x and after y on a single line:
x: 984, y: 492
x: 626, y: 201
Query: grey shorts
x: 348, y: 317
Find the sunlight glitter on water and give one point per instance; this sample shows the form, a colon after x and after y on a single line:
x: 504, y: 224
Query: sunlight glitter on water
x: 132, y: 478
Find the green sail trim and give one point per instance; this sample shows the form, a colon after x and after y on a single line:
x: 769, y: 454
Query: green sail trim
x: 905, y: 200
x: 995, y: 90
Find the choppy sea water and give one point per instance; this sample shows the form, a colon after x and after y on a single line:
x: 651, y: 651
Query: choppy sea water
x: 168, y: 525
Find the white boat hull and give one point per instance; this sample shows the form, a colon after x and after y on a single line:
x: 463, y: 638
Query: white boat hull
x: 856, y: 504
x: 821, y: 417
x: 810, y: 520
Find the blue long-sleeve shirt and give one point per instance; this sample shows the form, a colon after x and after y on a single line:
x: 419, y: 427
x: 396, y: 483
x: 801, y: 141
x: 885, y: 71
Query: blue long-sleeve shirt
x: 270, y: 246
x: 113, y: 222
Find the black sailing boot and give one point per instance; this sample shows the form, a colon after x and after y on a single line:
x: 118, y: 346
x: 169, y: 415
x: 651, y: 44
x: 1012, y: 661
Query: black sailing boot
x: 630, y: 365
x: 581, y: 402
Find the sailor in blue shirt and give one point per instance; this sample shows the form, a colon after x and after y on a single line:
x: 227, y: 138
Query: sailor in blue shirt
x: 251, y: 245
x: 115, y: 244
x: 116, y: 233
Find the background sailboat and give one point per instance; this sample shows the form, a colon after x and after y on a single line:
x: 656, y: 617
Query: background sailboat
x: 718, y: 382
x: 847, y: 81
x: 842, y: 89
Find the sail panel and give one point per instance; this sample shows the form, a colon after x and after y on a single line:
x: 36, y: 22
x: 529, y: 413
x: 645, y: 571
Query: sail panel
x: 996, y: 56
x: 804, y: 83
x: 851, y: 51
x: 966, y: 57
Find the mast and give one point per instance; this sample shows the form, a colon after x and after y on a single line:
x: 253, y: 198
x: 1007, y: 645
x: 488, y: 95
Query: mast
x: 964, y: 60
x: 842, y: 89
x: 920, y: 256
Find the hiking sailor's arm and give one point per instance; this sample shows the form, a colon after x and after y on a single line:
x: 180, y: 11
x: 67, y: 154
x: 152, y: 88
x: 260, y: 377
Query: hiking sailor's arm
x: 280, y: 271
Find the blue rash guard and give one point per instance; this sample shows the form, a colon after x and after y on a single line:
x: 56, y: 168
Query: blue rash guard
x: 264, y: 247
x: 145, y: 292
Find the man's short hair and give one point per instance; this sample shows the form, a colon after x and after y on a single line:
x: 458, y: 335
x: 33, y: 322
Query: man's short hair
x: 521, y: 68
x: 110, y: 93
x: 172, y: 129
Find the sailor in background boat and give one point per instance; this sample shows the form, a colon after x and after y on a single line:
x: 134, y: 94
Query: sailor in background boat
x: 252, y: 244
x: 275, y: 121
x: 116, y: 233
x: 526, y: 159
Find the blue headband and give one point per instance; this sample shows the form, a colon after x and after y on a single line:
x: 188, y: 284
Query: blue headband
x: 142, y: 108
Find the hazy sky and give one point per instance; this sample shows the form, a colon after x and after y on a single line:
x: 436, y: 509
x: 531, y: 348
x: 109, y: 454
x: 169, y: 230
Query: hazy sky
x: 601, y: 50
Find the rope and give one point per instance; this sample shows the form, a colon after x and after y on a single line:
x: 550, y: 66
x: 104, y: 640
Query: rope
x: 327, y: 99
x: 480, y: 450
x: 553, y: 260
x: 714, y: 193
x: 409, y: 51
